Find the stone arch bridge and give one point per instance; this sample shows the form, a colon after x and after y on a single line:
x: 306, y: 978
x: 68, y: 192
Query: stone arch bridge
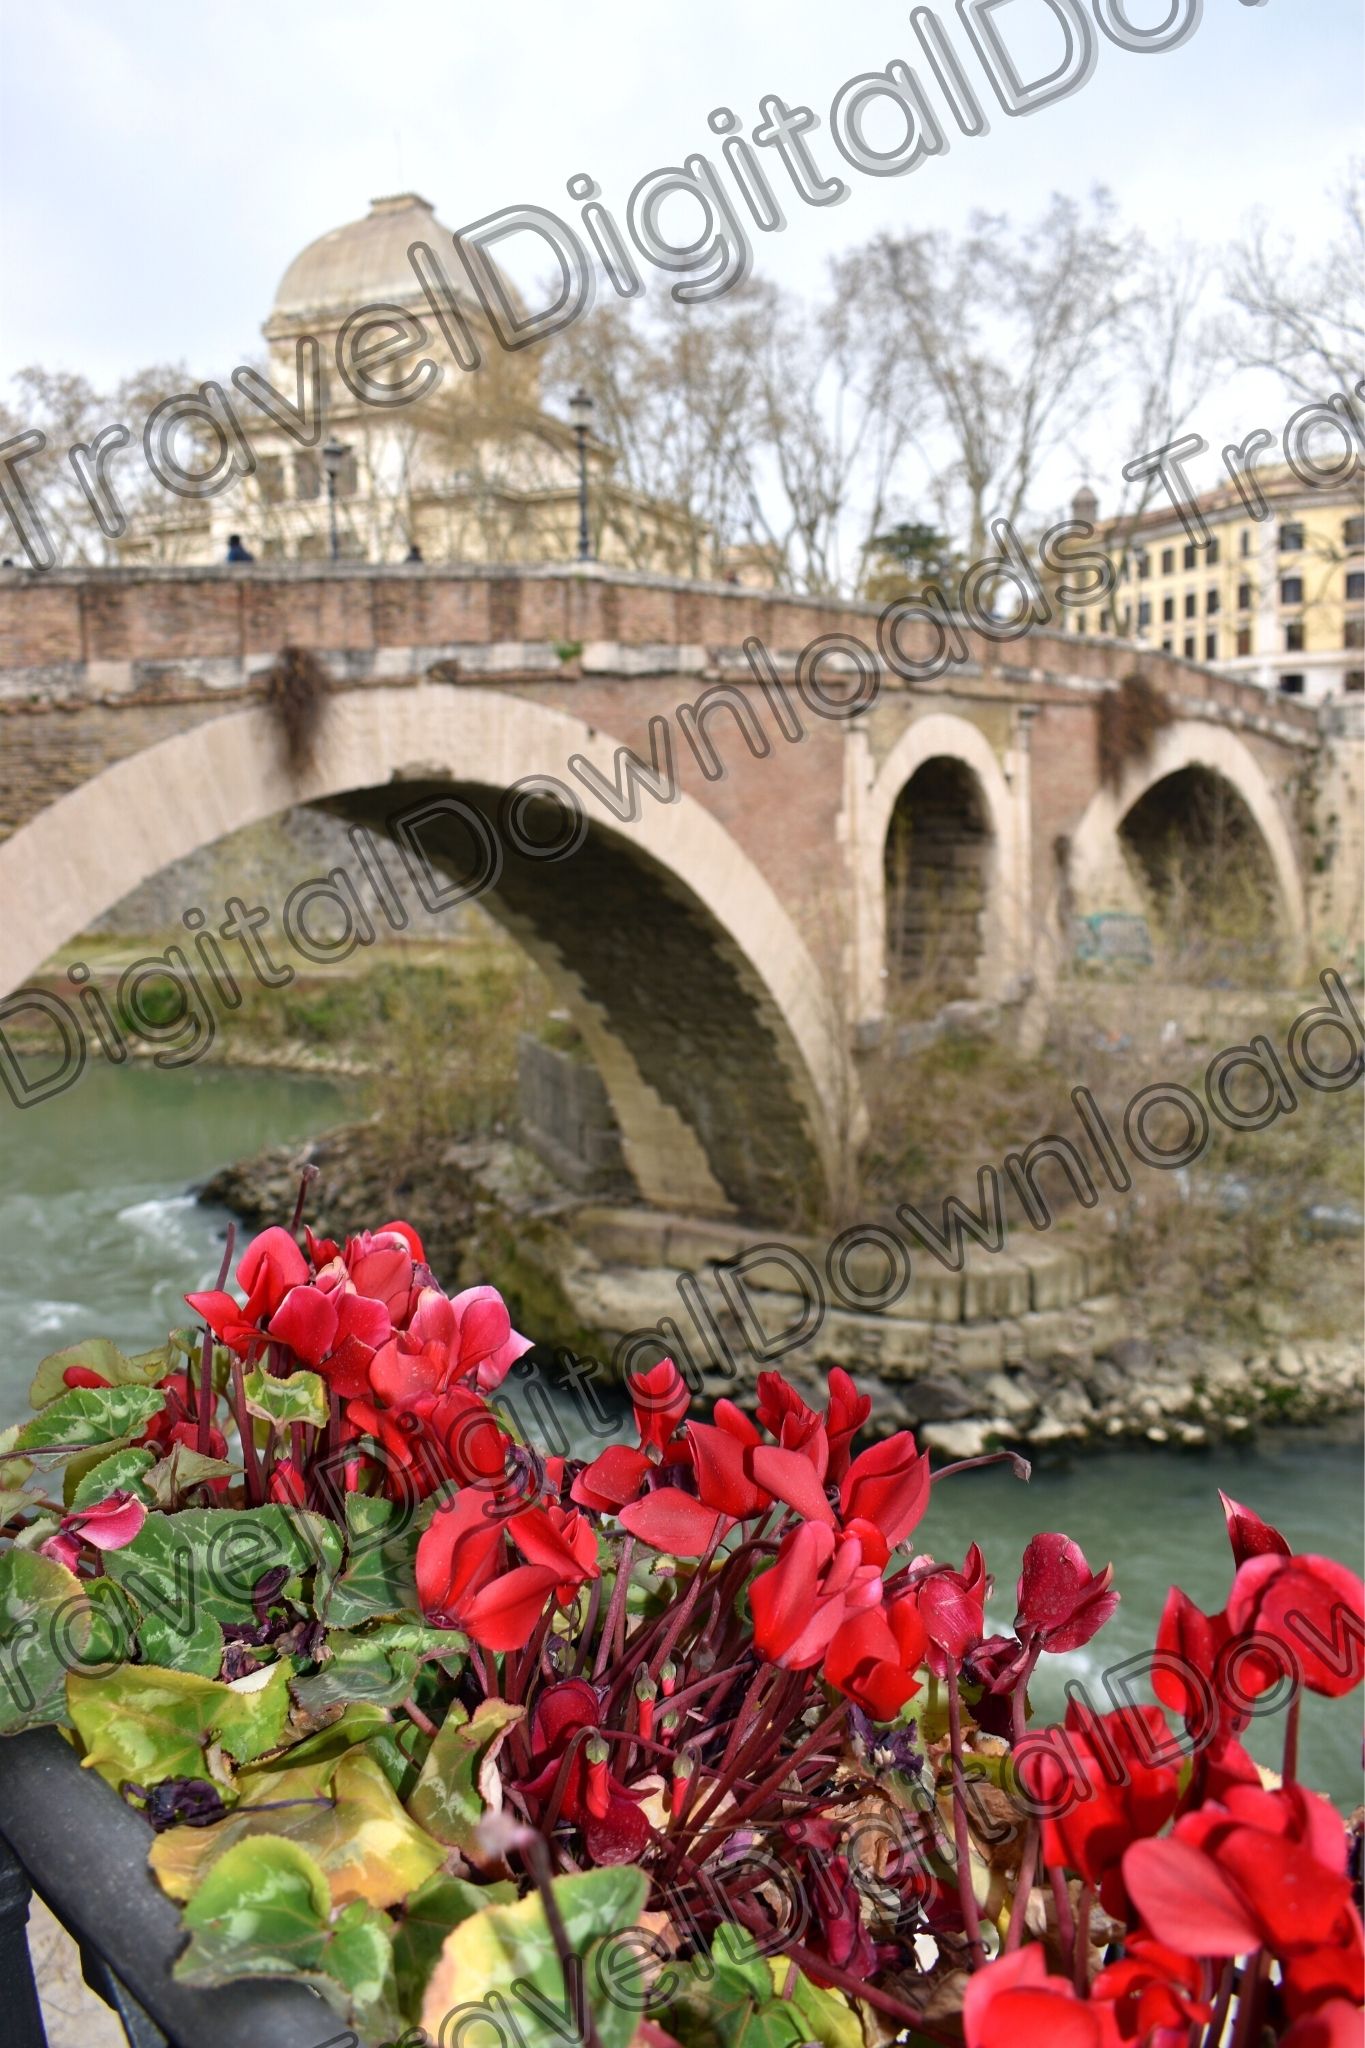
x: 728, y: 949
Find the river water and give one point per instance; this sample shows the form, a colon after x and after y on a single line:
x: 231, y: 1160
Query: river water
x: 100, y: 1235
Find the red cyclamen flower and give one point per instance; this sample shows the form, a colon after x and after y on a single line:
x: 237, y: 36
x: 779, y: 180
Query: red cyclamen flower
x: 1062, y: 1603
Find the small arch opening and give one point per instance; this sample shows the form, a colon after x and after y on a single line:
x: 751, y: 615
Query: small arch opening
x: 937, y: 868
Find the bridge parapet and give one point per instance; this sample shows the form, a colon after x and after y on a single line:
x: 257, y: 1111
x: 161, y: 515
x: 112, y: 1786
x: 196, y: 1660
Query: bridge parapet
x: 173, y: 633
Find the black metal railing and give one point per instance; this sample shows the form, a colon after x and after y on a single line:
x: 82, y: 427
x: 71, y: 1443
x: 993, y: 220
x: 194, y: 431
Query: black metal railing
x: 67, y: 1837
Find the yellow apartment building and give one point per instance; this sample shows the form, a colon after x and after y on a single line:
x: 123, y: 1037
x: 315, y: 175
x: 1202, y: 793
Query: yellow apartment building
x: 1278, y: 601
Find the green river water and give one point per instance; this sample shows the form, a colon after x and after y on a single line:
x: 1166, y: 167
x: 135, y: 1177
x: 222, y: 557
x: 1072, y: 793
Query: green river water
x: 100, y: 1234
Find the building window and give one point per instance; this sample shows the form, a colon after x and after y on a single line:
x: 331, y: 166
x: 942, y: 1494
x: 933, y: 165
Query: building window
x: 312, y: 547
x: 1355, y: 633
x: 1244, y: 597
x: 1081, y: 618
x: 1144, y: 566
x: 1243, y: 641
x: 1355, y: 583
x: 271, y: 548
x: 1211, y: 552
x: 1191, y: 605
x: 1167, y: 610
x: 1211, y: 603
x: 1191, y: 555
x: 1291, y: 590
x: 307, y: 477
x: 1291, y: 686
x: 1245, y: 548
x: 1168, y: 646
x: 270, y: 479
x: 1106, y: 620
x: 1190, y: 644
x: 1144, y: 612
x: 1354, y: 679
x: 1353, y: 532
x: 1168, y: 561
x: 1293, y: 637
x: 1291, y: 538
x: 1210, y: 647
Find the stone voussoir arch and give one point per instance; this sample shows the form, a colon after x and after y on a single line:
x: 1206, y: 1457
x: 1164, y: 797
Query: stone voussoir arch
x: 90, y: 847
x: 942, y: 735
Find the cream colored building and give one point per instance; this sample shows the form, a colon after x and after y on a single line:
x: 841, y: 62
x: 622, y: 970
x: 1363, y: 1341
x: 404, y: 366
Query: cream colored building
x: 1278, y: 601
x: 478, y: 470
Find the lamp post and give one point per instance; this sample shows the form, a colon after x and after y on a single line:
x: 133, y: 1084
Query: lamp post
x: 580, y: 405
x: 334, y: 454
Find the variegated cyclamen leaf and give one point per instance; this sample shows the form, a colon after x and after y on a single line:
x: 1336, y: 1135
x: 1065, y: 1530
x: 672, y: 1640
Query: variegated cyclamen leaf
x: 121, y: 1472
x: 96, y: 1354
x: 45, y: 1625
x: 428, y: 1917
x: 88, y: 1416
x: 302, y: 1397
x: 510, y: 1949
x: 455, y: 1790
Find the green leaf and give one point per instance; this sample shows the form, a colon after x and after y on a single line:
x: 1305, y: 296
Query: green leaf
x: 379, y: 1663
x: 88, y: 1416
x: 173, y: 1476
x: 343, y: 1812
x: 148, y: 1724
x: 458, y: 1786
x: 45, y: 1621
x: 263, y: 1911
x: 122, y: 1472
x: 15, y: 1502
x: 509, y: 1949
x: 302, y: 1397
x: 738, y: 1996
x: 192, y: 1572
x: 379, y: 1576
x: 99, y: 1355
x: 400, y: 1751
x: 428, y: 1917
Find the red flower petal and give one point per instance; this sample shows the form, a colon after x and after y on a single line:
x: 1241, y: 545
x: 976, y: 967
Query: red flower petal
x: 305, y: 1321
x: 1187, y: 1901
x: 672, y: 1520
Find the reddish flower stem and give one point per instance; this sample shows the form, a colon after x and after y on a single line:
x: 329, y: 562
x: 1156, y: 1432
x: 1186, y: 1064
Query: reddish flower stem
x: 971, y: 1919
x: 423, y: 1721
x: 1023, y: 1887
x: 606, y: 1648
x: 770, y: 1784
x: 204, y: 1405
x: 1066, y: 1924
x: 251, y: 1471
x: 1080, y: 1960
x: 1289, y: 1767
x: 1019, y: 1697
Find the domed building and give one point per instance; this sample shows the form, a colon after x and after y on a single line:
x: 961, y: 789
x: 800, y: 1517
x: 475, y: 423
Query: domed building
x: 476, y: 470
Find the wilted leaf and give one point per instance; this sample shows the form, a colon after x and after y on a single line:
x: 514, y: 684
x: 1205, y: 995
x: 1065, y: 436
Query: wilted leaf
x: 173, y: 1476
x: 347, y: 1817
x: 148, y: 1724
x: 450, y: 1800
x: 509, y: 1949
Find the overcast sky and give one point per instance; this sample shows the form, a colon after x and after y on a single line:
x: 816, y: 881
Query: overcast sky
x: 162, y: 164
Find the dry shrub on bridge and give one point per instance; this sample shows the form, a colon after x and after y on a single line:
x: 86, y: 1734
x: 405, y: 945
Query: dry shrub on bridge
x: 296, y: 688
x: 1129, y: 720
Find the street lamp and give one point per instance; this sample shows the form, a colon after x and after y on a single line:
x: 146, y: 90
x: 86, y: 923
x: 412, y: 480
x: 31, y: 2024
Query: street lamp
x: 580, y: 405
x: 334, y: 454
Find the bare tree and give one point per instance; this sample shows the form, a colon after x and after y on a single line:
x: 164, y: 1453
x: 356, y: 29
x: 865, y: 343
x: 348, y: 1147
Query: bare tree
x: 1303, y: 319
x: 1010, y: 333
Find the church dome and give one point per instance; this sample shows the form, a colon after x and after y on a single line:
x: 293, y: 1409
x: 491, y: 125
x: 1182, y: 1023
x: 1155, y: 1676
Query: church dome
x: 364, y: 262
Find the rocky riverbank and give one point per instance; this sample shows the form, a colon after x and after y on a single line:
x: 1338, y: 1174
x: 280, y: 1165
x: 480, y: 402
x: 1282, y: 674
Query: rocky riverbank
x: 1038, y: 1346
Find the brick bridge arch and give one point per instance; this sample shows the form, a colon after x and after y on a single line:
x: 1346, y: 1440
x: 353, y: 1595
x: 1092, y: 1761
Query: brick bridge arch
x: 692, y: 987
